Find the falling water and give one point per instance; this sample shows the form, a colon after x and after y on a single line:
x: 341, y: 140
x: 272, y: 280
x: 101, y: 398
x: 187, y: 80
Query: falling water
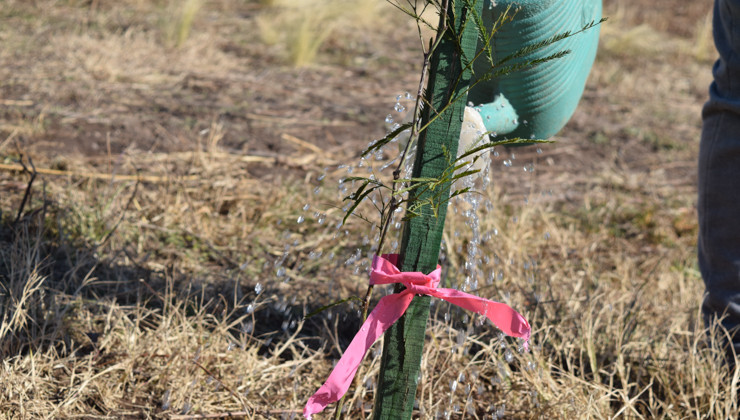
x: 471, y: 246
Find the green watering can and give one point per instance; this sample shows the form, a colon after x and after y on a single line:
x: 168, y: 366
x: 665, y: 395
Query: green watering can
x: 536, y: 102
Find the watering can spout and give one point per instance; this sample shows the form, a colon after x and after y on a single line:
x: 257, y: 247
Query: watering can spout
x: 535, y: 102
x: 499, y: 116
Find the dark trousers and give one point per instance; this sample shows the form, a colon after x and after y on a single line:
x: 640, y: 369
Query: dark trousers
x: 719, y: 176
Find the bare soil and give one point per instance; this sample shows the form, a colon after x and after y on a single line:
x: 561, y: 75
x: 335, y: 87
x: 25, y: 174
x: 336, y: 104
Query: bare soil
x: 91, y: 109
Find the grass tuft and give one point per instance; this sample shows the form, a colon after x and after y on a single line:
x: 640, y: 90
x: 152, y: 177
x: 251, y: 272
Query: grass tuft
x: 303, y: 28
x: 179, y: 22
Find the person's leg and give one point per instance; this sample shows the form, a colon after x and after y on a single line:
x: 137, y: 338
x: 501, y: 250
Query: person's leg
x: 719, y: 176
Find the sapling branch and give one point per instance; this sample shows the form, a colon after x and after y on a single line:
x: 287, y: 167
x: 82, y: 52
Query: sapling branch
x: 394, y: 202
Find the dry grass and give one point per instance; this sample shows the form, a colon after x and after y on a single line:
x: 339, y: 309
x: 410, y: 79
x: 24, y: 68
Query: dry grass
x: 139, y: 299
x: 301, y: 29
x: 178, y: 30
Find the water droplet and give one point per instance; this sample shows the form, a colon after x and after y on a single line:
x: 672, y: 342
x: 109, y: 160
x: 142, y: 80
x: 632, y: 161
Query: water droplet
x: 453, y: 385
x: 460, y: 339
x: 247, y: 327
x: 281, y: 272
x: 408, y: 96
x: 186, y: 408
x: 321, y: 218
x: 507, y: 163
x: 547, y: 235
x: 398, y: 107
x: 389, y: 119
x: 306, y: 207
x: 166, y: 399
x: 250, y: 308
x: 508, y: 356
x: 321, y: 177
x: 539, y: 151
x: 258, y: 288
x: 300, y: 219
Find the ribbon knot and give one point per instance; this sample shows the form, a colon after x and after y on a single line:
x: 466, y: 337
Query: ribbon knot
x: 385, y: 271
x: 391, y: 308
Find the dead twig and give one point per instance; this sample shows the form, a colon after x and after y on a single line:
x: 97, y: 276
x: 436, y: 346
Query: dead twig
x: 302, y: 143
x: 27, y: 194
x: 228, y: 414
x: 96, y: 175
x: 226, y: 387
x: 120, y: 218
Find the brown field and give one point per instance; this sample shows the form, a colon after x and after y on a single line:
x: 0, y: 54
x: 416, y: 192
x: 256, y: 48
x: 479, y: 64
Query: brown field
x: 155, y: 267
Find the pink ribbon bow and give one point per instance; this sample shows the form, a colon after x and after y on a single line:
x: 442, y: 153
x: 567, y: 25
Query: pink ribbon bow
x: 389, y: 310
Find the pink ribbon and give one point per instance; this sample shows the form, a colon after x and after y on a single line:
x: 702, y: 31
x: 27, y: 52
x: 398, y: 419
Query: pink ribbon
x: 389, y: 310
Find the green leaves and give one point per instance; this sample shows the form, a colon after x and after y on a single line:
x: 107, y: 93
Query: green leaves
x: 367, y: 186
x: 492, y: 144
x: 378, y: 144
x: 484, y: 35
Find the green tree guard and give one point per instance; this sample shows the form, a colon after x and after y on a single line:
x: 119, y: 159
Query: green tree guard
x: 449, y: 78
